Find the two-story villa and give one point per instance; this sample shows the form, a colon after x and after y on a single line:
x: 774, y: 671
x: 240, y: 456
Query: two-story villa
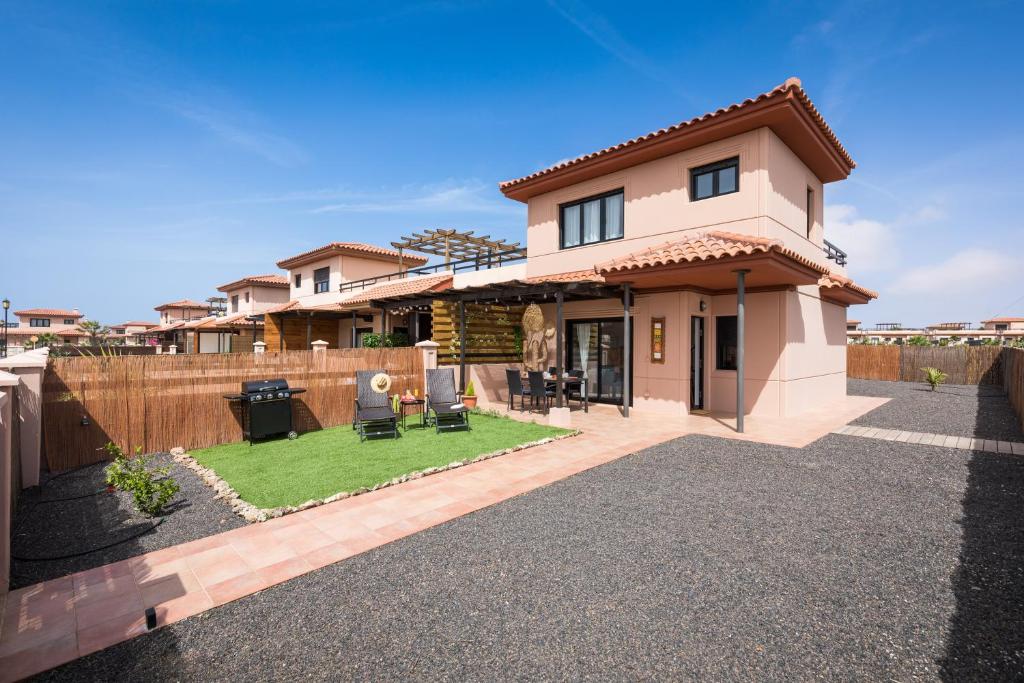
x: 255, y: 294
x: 35, y: 322
x: 687, y: 269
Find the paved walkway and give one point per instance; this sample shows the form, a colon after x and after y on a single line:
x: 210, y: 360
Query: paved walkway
x: 947, y: 440
x: 50, y: 623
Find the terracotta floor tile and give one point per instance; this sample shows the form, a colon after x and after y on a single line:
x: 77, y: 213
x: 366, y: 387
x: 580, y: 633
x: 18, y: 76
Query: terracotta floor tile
x: 110, y: 632
x: 262, y: 551
x: 115, y: 605
x: 335, y: 552
x: 181, y: 608
x: 88, y: 594
x: 203, y: 544
x: 144, y: 563
x: 40, y: 657
x: 283, y: 571
x: 217, y: 565
x: 309, y: 540
x: 169, y: 588
x: 29, y: 632
x: 107, y: 572
x: 235, y: 588
x: 145, y: 574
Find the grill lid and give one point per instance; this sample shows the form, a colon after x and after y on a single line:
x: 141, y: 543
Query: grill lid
x: 262, y: 385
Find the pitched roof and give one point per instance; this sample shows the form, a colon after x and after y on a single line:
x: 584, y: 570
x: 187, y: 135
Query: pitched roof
x: 708, y: 246
x: 269, y: 280
x: 416, y: 285
x: 832, y: 280
x: 50, y: 312
x: 65, y: 331
x: 353, y: 249
x: 786, y: 109
x: 182, y: 303
x: 588, y: 275
x: 138, y: 323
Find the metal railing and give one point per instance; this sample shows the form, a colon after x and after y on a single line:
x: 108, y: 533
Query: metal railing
x: 834, y: 253
x: 482, y: 262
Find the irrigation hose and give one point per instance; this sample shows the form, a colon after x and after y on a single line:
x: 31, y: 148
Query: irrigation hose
x: 54, y: 558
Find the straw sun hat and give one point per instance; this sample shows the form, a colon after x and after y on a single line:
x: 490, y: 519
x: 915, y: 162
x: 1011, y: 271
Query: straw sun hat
x: 380, y: 383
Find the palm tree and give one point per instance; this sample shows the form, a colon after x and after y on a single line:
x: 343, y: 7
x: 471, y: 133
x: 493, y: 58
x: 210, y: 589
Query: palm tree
x: 97, y: 332
x: 46, y: 339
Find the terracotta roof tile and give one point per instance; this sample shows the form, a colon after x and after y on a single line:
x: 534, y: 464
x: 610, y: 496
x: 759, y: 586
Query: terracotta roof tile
x: 704, y: 247
x: 588, y: 275
x: 46, y: 312
x: 182, y: 303
x: 138, y: 323
x: 65, y: 331
x: 417, y: 285
x: 351, y: 247
x: 1004, y: 320
x: 791, y: 85
x: 269, y: 280
x: 830, y: 280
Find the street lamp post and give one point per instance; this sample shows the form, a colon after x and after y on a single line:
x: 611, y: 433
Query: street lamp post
x: 7, y: 305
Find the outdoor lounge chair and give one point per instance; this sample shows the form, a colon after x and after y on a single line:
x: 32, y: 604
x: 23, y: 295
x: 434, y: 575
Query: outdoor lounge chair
x: 443, y: 405
x: 374, y: 415
x: 516, y: 388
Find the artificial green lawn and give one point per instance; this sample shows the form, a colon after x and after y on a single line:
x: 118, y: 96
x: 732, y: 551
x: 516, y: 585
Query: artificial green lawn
x: 319, y: 464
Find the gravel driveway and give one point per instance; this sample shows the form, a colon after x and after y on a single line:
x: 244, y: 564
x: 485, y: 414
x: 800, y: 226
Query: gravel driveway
x: 953, y: 409
x: 699, y: 558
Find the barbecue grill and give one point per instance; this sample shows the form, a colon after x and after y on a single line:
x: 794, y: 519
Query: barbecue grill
x: 266, y: 408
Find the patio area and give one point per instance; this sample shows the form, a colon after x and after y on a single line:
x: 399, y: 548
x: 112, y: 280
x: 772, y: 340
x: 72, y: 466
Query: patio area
x: 700, y: 557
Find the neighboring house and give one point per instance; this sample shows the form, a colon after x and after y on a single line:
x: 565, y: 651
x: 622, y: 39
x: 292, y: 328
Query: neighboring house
x: 1001, y: 330
x: 175, y: 317
x: 131, y: 333
x: 255, y: 293
x: 34, y: 322
x: 182, y: 310
x: 852, y: 325
x: 1011, y: 325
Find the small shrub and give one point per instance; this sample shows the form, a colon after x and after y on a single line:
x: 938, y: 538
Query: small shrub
x: 470, y: 389
x: 918, y: 340
x: 151, y: 488
x: 374, y: 340
x: 934, y: 377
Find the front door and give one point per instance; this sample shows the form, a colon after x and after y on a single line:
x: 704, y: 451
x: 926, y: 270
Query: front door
x: 696, y: 362
x: 597, y: 347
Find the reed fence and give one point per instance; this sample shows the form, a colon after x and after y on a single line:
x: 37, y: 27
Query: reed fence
x: 1013, y: 380
x: 159, y: 402
x: 893, y: 363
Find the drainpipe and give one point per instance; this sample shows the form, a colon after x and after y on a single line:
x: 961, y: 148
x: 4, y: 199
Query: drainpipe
x: 741, y: 305
x: 353, y: 328
x: 559, y: 355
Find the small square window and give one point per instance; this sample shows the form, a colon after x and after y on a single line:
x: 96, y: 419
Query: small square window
x: 298, y: 280
x: 725, y: 342
x: 713, y: 180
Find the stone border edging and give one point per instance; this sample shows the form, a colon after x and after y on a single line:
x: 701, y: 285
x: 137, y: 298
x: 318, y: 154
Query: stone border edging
x: 251, y: 513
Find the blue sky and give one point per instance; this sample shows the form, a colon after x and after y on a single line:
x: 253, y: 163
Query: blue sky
x: 152, y: 151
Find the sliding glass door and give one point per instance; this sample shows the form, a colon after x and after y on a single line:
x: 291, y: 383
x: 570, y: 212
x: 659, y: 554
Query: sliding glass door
x: 597, y: 347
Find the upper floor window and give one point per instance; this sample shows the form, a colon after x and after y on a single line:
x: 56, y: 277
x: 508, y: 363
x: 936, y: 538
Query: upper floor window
x: 39, y: 322
x: 247, y: 297
x: 234, y: 303
x: 1002, y: 326
x: 298, y: 280
x: 321, y: 280
x: 591, y: 220
x: 712, y: 180
x: 69, y: 321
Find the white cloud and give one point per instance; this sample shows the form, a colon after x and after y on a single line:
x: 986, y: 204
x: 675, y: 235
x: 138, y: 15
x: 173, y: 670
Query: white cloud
x: 970, y: 272
x: 871, y: 245
x: 273, y: 148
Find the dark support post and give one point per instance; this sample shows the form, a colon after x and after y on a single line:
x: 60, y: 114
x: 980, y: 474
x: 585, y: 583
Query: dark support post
x: 462, y: 345
x: 309, y: 331
x: 559, y: 351
x: 280, y: 330
x: 741, y: 296
x: 353, y: 328
x: 254, y: 332
x: 627, y: 355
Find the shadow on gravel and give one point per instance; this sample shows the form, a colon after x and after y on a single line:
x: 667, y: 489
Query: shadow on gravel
x: 986, y: 640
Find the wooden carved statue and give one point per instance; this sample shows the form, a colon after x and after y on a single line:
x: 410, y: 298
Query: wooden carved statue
x: 535, y: 339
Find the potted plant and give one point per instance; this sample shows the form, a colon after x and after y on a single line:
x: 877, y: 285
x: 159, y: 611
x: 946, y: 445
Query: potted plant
x: 469, y: 398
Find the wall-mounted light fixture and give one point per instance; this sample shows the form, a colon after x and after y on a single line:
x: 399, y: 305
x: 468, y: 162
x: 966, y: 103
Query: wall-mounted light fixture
x: 703, y: 305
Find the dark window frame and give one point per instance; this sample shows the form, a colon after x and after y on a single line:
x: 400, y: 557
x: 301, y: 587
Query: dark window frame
x: 722, y: 345
x: 810, y: 211
x: 38, y: 322
x: 325, y: 282
x: 69, y: 321
x: 234, y: 303
x: 298, y: 280
x: 578, y: 204
x: 714, y: 169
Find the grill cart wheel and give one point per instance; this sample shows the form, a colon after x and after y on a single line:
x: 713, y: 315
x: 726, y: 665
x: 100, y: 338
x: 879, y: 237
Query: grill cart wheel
x: 292, y: 435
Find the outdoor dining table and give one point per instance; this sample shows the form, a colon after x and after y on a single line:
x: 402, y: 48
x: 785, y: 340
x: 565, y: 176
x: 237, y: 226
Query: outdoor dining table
x: 568, y: 381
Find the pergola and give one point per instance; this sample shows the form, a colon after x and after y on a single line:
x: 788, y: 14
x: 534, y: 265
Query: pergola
x: 450, y: 243
x: 520, y: 291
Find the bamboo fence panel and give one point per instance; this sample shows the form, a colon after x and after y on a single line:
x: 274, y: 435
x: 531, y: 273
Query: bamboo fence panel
x: 491, y: 332
x: 894, y: 363
x: 873, y: 362
x: 159, y: 402
x: 1013, y: 380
